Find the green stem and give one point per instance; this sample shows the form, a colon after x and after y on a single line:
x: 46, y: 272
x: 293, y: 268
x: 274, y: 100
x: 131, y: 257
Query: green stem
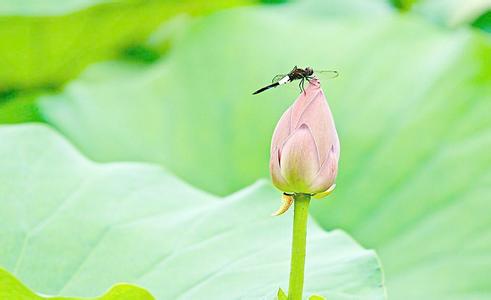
x: 301, y: 214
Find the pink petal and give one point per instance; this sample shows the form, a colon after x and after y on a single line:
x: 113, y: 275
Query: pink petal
x: 282, y: 131
x: 303, y: 102
x: 299, y: 161
x: 274, y: 168
x: 327, y: 173
x: 318, y: 117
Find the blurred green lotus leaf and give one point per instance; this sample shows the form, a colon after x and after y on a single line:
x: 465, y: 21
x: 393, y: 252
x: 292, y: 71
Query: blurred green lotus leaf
x: 12, y: 289
x: 19, y: 106
x: 484, y: 22
x: 452, y: 12
x: 411, y: 105
x: 69, y: 226
x: 45, y: 43
x: 45, y: 8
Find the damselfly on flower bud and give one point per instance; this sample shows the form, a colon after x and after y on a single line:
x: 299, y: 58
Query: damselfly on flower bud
x: 305, y: 146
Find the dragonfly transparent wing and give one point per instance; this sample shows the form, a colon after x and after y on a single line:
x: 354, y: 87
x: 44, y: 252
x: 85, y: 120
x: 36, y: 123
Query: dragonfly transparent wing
x: 327, y: 73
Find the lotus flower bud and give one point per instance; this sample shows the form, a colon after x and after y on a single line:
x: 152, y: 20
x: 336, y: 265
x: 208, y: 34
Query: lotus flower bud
x: 305, y: 146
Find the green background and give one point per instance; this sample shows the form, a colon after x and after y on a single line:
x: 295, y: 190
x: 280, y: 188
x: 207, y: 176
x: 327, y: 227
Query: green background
x: 170, y: 83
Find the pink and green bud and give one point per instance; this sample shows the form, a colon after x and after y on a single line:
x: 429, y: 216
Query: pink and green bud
x: 305, y: 146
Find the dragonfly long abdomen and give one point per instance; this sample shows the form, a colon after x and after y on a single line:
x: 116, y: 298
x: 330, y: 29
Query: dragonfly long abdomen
x: 266, y: 88
x: 283, y: 80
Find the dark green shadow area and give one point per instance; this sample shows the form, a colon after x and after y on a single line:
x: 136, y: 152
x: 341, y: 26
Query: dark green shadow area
x: 483, y: 22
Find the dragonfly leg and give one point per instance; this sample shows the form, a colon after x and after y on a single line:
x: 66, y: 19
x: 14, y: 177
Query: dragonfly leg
x: 301, y: 85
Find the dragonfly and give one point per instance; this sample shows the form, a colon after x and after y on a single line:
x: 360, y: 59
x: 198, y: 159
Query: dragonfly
x: 296, y: 73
